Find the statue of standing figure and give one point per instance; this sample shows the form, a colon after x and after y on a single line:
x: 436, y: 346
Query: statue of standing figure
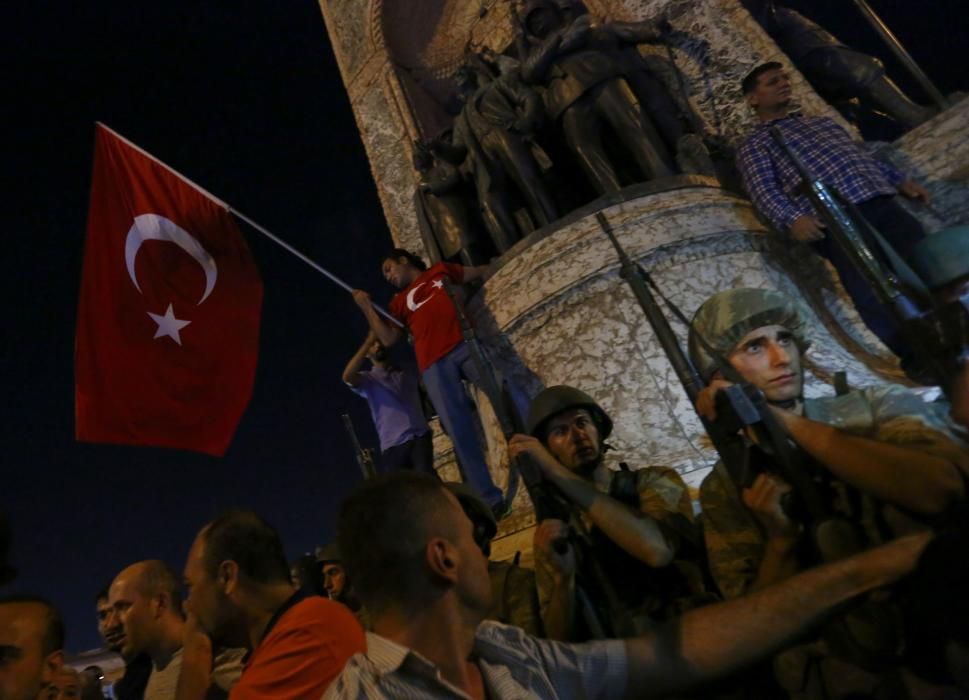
x: 447, y: 226
x: 492, y: 137
x: 839, y: 73
x: 585, y: 90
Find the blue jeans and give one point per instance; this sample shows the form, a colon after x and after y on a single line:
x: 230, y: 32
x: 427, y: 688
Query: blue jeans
x: 456, y: 411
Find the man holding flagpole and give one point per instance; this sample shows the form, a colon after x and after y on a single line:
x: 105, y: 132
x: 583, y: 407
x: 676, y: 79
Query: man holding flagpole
x: 425, y: 308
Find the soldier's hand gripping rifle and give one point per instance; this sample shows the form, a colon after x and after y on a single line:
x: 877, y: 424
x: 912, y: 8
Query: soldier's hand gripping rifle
x: 890, y: 278
x: 740, y: 407
x: 859, y: 636
x: 364, y: 455
x: 548, y: 502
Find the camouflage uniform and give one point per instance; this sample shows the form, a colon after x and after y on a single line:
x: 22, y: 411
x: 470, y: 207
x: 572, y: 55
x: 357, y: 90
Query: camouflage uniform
x: 735, y: 543
x: 893, y: 414
x: 645, y: 594
x: 514, y: 597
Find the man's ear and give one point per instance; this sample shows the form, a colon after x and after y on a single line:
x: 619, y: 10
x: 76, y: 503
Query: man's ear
x: 751, y: 98
x: 228, y: 576
x: 441, y: 558
x: 159, y: 603
x: 52, y: 665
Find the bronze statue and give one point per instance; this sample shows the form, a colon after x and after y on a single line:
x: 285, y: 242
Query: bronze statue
x: 839, y: 73
x: 585, y: 88
x: 492, y: 134
x: 447, y: 227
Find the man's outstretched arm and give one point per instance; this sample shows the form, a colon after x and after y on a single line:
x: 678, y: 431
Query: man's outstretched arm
x: 904, y: 476
x: 717, y: 639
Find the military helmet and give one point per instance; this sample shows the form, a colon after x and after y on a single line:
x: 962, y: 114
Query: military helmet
x: 943, y: 257
x: 556, y: 399
x: 726, y: 317
x: 478, y: 511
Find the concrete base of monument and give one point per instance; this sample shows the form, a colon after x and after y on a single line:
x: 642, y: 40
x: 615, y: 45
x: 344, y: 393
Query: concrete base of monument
x: 936, y: 154
x: 557, y: 312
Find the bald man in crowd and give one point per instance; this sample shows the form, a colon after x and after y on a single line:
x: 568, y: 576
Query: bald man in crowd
x: 31, y: 647
x: 146, y: 618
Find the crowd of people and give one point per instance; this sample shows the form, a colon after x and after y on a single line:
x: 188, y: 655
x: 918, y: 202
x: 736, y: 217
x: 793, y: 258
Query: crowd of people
x: 827, y: 559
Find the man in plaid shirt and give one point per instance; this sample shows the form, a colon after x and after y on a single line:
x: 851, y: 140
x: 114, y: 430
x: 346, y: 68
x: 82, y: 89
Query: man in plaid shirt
x: 837, y: 160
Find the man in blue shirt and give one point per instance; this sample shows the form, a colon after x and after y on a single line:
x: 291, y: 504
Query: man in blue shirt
x: 395, y: 405
x: 840, y: 162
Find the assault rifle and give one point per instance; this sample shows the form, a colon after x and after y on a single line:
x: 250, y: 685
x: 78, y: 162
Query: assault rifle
x: 364, y: 455
x: 743, y: 407
x: 546, y: 499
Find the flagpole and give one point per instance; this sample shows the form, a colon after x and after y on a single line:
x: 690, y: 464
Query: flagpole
x: 268, y: 234
x: 312, y: 263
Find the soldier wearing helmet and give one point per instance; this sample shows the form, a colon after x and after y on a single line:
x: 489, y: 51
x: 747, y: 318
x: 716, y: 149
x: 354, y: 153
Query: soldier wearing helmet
x: 882, y: 450
x: 635, y: 526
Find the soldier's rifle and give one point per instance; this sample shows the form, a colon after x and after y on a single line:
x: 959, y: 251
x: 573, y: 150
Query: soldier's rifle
x: 894, y: 284
x: 364, y: 455
x: 742, y: 407
x: 546, y: 499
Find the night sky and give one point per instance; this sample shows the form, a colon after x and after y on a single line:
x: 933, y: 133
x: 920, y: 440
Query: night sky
x: 246, y: 100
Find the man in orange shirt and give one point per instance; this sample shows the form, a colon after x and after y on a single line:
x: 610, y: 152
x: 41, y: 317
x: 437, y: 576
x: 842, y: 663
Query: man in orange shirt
x: 241, y: 595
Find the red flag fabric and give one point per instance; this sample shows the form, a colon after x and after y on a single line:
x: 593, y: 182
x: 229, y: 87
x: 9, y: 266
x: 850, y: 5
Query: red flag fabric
x: 168, y: 319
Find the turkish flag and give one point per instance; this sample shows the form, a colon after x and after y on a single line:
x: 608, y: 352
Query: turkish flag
x: 168, y: 319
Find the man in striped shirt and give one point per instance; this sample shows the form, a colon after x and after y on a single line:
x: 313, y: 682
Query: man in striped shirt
x: 411, y: 551
x: 840, y: 162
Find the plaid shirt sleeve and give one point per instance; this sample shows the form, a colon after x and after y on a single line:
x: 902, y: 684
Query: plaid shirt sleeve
x: 763, y: 184
x: 894, y: 176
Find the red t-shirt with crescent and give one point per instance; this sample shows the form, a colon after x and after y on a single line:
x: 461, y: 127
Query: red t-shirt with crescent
x: 428, y: 312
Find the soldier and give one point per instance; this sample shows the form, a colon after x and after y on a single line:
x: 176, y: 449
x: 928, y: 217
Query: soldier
x: 514, y: 594
x: 880, y: 452
x: 633, y: 569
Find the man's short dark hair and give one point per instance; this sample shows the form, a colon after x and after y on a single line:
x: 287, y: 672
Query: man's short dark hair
x: 382, y: 529
x: 248, y: 540
x: 397, y: 253
x: 53, y: 622
x: 749, y: 83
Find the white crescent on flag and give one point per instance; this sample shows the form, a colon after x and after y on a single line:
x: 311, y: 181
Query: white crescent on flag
x: 152, y: 227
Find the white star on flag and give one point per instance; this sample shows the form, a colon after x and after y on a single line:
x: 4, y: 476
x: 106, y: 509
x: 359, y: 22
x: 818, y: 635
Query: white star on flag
x: 438, y: 283
x: 168, y: 325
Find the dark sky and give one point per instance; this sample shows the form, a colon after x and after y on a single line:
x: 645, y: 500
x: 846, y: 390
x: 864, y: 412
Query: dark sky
x: 245, y: 99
